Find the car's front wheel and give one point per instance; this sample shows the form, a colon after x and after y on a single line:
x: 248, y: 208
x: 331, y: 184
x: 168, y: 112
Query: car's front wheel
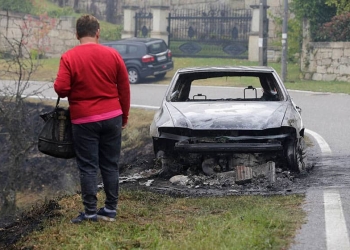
x: 296, y: 154
x: 170, y: 166
x: 134, y: 76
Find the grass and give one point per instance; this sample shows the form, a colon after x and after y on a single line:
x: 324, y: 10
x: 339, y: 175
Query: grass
x: 136, y: 132
x: 207, y: 49
x: 153, y: 221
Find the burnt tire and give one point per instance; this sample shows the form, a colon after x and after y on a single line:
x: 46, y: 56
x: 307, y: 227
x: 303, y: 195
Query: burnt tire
x: 169, y: 166
x: 296, y: 155
x: 134, y: 76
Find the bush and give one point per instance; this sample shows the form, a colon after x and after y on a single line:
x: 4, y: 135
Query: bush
x: 56, y: 13
x: 337, y: 30
x: 110, y: 32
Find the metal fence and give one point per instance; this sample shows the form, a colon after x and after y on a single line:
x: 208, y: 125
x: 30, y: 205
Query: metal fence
x: 143, y: 23
x: 207, y: 31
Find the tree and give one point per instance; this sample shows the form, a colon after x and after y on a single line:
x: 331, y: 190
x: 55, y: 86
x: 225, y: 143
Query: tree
x: 24, y: 6
x: 316, y: 11
x: 341, y: 5
x: 16, y: 114
x: 110, y: 11
x: 337, y: 30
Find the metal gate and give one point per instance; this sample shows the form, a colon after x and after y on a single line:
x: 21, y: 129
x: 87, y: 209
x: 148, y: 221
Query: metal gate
x: 143, y: 23
x: 207, y: 31
x: 210, y: 32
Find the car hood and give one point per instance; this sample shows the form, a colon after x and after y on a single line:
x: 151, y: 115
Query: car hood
x: 233, y: 116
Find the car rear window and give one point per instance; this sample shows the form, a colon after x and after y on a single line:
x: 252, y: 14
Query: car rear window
x: 155, y: 48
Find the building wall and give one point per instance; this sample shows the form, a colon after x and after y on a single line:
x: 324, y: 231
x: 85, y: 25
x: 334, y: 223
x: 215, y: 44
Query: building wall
x: 325, y: 61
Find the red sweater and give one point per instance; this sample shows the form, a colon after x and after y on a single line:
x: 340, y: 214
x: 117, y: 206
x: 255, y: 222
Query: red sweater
x: 95, y: 80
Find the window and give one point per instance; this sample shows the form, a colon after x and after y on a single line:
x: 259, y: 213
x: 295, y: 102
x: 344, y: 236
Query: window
x: 121, y: 48
x: 156, y: 48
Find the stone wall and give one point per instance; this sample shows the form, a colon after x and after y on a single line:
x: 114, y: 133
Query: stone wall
x: 325, y: 61
x: 57, y: 36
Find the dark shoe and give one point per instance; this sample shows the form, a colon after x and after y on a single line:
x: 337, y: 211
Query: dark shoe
x: 82, y: 217
x: 107, y: 216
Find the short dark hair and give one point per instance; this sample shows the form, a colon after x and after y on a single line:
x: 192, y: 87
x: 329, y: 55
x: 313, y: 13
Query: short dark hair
x: 87, y: 25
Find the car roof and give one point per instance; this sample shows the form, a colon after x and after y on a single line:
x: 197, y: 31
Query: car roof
x: 136, y: 40
x: 257, y: 69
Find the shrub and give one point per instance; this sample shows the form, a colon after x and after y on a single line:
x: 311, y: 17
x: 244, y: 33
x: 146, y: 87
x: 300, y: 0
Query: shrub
x: 337, y: 30
x: 110, y: 32
x: 56, y: 13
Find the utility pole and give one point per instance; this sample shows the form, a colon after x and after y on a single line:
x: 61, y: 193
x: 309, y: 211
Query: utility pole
x: 285, y: 42
x: 263, y: 31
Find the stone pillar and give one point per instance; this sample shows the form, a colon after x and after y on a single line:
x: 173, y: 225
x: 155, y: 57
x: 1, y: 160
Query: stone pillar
x: 160, y: 10
x: 129, y: 8
x: 253, y: 48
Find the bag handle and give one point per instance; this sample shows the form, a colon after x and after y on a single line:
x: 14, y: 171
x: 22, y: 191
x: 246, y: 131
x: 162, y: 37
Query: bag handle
x: 57, y: 102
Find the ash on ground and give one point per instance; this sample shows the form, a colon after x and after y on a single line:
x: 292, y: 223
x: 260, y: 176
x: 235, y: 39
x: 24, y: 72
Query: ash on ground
x: 142, y: 173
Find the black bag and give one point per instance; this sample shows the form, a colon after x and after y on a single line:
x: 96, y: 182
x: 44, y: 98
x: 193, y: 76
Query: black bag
x: 55, y: 138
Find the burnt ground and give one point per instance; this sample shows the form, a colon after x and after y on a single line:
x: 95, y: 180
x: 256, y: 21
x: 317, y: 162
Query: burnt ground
x: 139, y: 171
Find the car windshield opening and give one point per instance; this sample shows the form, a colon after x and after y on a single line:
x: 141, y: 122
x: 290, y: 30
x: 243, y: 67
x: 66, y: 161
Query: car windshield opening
x: 239, y: 87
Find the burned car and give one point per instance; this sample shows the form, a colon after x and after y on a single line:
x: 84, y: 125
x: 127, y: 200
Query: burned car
x: 224, y: 127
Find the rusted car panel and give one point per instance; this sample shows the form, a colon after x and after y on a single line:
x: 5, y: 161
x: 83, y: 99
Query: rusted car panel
x: 195, y: 122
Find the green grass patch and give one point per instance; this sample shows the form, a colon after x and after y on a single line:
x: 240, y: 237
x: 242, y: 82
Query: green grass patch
x: 207, y: 49
x: 153, y: 221
x: 136, y: 132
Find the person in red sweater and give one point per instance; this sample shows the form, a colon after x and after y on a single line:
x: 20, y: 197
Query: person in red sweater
x: 94, y: 79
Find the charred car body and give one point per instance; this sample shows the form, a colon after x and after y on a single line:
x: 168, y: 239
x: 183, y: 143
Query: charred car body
x: 196, y: 123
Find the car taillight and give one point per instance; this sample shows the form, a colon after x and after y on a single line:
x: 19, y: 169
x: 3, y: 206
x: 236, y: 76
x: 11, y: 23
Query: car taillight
x: 169, y: 53
x: 147, y: 59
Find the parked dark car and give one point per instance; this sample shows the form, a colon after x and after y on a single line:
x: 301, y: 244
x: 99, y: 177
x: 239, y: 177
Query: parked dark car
x: 144, y: 57
x: 258, y: 123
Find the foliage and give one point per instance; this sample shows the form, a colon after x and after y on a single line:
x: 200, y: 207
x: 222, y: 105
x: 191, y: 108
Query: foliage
x: 338, y: 29
x: 341, y: 5
x: 24, y: 6
x: 59, y: 12
x: 316, y: 11
x: 36, y: 30
x: 294, y: 38
x: 15, y: 115
x: 110, y: 32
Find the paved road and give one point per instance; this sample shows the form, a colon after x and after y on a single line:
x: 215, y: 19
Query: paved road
x: 326, y: 117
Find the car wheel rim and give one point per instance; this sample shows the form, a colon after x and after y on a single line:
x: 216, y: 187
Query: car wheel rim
x: 133, y: 76
x: 296, y: 154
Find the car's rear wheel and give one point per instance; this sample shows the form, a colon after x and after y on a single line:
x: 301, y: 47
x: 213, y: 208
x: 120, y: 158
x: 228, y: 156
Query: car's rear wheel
x: 296, y: 154
x: 160, y: 76
x: 134, y: 76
